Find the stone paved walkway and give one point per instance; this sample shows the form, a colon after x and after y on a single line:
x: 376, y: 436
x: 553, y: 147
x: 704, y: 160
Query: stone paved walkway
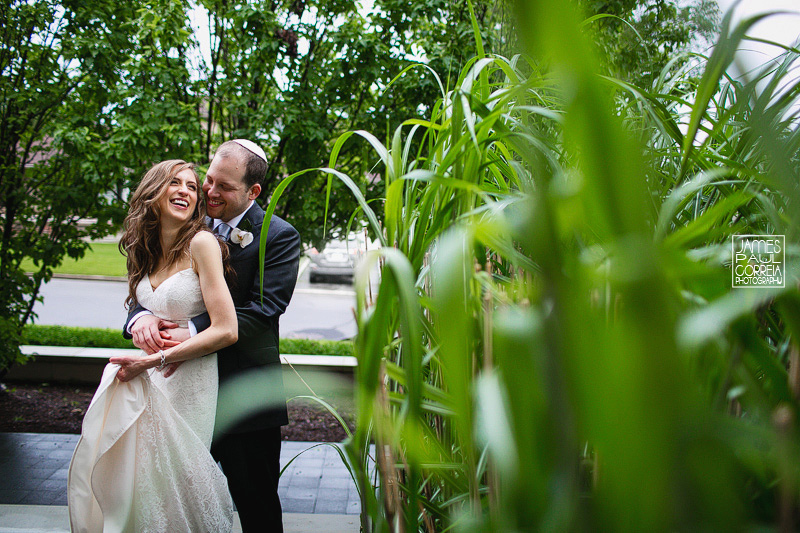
x: 33, y: 471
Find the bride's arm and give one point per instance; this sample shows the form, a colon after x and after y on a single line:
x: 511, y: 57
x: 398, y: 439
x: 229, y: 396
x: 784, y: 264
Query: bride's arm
x: 217, y: 297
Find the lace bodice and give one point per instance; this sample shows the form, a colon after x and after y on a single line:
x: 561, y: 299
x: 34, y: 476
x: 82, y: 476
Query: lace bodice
x: 177, y: 299
x: 192, y: 390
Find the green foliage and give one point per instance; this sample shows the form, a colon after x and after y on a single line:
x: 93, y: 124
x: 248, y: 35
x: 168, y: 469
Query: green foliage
x: 637, y: 39
x: 92, y: 94
x: 298, y: 74
x: 316, y: 347
x: 556, y: 344
x: 10, y: 341
x: 40, y: 335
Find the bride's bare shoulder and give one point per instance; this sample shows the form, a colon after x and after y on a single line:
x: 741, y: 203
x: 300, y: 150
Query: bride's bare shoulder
x: 203, y: 243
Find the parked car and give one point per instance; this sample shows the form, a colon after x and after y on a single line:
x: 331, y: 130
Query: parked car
x: 337, y: 261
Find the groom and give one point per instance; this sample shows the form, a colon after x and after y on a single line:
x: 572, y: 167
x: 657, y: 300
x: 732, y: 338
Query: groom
x: 250, y: 452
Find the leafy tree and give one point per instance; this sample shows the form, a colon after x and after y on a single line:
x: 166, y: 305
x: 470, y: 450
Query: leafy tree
x: 92, y: 93
x: 297, y: 74
x: 641, y: 37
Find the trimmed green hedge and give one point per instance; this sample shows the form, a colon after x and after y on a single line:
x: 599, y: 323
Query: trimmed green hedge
x: 112, y: 338
x: 316, y: 347
x: 73, y: 336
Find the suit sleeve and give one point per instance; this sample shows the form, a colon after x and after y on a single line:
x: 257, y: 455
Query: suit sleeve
x: 132, y: 313
x: 201, y: 322
x: 281, y: 263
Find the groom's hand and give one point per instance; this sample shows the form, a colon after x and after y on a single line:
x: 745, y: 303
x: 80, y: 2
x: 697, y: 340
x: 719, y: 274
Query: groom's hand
x: 147, y: 336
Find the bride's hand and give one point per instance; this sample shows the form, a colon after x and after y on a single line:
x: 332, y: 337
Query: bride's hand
x: 130, y: 367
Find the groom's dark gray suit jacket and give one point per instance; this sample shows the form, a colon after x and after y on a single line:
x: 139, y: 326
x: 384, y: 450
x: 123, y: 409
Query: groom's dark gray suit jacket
x: 257, y: 347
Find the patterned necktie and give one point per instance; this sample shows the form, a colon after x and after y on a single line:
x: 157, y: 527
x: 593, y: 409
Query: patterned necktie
x: 223, y: 230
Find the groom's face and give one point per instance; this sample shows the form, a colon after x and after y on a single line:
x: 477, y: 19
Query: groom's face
x: 227, y: 196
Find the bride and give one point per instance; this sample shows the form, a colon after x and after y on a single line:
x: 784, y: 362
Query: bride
x: 143, y: 462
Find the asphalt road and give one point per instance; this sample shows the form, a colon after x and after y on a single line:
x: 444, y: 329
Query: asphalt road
x: 319, y: 311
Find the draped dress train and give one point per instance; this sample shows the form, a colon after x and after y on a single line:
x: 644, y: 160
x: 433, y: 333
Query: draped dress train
x: 142, y: 462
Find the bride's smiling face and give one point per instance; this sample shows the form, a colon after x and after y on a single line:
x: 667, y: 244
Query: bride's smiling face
x: 179, y: 200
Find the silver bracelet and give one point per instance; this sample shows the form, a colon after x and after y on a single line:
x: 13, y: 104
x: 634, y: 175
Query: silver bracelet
x: 163, y: 360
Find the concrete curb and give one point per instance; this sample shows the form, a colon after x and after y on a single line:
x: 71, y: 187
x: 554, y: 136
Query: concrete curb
x: 328, y: 361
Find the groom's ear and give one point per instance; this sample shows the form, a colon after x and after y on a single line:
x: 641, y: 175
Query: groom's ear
x: 254, y: 191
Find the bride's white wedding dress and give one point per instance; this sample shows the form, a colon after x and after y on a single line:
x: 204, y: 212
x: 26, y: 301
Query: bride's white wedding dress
x: 143, y: 462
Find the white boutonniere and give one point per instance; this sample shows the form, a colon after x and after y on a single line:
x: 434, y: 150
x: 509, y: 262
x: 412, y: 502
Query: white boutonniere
x: 242, y: 238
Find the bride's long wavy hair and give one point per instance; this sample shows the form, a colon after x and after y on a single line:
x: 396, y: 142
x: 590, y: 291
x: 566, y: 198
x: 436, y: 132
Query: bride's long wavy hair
x: 140, y: 241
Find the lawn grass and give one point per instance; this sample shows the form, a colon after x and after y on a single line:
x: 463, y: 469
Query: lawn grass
x: 103, y: 259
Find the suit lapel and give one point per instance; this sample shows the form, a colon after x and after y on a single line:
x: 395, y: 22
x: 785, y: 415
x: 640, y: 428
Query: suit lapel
x: 254, y: 217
